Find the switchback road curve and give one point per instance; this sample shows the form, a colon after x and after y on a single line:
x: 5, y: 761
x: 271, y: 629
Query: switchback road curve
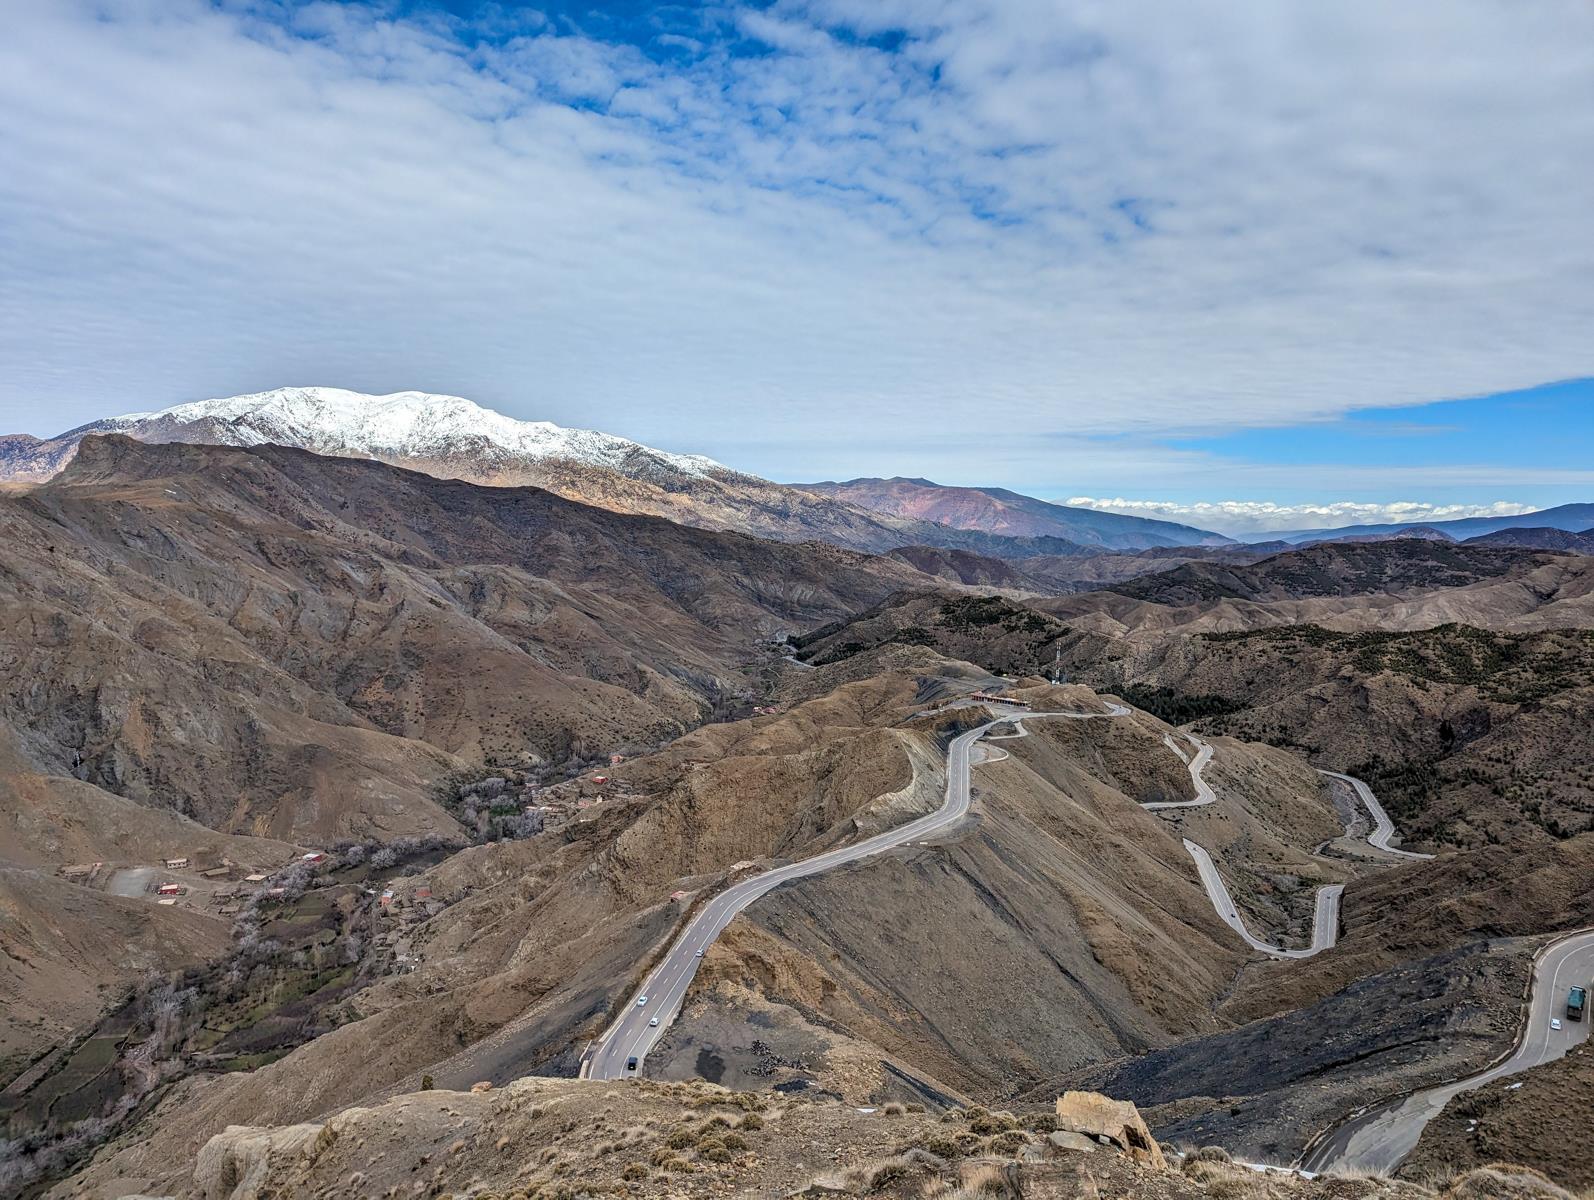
x: 633, y: 1033
x: 1379, y: 1139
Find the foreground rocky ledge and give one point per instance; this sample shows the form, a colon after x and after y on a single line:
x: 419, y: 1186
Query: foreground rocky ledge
x: 548, y: 1139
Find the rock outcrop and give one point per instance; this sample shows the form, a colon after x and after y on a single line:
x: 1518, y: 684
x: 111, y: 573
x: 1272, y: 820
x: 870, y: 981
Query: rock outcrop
x: 1117, y: 1121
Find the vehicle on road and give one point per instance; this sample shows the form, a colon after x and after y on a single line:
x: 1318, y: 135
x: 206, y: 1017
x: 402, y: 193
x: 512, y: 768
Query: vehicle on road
x: 1576, y: 1002
x: 630, y: 1063
x: 641, y: 1000
x: 1555, y: 1022
x: 653, y: 1022
x: 700, y: 954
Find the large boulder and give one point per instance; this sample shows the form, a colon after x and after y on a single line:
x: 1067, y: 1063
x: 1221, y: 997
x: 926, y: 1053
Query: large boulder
x: 1118, y: 1121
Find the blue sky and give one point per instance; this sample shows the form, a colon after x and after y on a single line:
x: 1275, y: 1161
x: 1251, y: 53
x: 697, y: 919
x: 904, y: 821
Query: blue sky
x: 1218, y: 252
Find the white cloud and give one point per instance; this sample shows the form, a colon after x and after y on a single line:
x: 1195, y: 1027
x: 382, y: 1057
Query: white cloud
x: 1023, y: 219
x: 1241, y: 517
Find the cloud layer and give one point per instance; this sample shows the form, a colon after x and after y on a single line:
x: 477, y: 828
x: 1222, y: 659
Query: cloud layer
x: 784, y: 234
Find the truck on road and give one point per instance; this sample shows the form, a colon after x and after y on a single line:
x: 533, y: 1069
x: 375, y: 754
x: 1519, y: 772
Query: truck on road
x: 1576, y: 1002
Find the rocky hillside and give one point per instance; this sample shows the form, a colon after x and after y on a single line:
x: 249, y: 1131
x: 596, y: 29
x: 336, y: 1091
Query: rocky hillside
x: 1334, y: 569
x: 333, y: 638
x: 540, y: 1138
x: 1009, y: 514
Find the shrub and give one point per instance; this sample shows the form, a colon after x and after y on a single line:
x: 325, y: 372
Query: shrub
x: 751, y: 1121
x: 634, y: 1171
x: 1007, y: 1143
x: 894, y: 1109
x: 890, y: 1172
x: 992, y: 1123
x: 942, y: 1146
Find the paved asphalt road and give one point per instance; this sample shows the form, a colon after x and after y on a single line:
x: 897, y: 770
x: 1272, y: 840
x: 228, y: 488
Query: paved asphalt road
x: 1325, y: 920
x: 1383, y: 827
x: 1380, y: 1139
x: 1198, y: 764
x: 1325, y: 923
x: 633, y: 1035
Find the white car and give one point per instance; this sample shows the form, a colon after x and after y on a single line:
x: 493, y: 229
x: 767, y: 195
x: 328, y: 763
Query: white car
x: 641, y: 1000
x: 700, y: 954
x: 654, y: 1021
x: 1555, y: 1022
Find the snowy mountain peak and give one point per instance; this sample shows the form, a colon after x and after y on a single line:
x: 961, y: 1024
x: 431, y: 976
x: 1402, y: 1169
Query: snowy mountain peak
x: 403, y: 425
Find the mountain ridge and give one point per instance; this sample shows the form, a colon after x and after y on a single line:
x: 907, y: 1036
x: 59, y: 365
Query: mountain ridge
x: 1010, y: 514
x: 450, y: 437
x: 1573, y: 518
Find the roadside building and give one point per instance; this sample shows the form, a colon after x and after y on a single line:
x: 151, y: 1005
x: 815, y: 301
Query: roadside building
x: 176, y: 864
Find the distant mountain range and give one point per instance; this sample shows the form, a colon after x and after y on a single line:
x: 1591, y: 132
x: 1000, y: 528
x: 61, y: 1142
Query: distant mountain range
x: 1009, y: 514
x: 1570, y: 517
x: 453, y: 438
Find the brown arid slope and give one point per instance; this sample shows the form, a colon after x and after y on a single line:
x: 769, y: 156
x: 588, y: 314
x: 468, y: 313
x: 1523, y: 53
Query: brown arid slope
x: 1467, y: 733
x: 976, y: 570
x: 1424, y: 986
x: 1335, y: 569
x: 524, y: 948
x: 279, y: 643
x: 1540, y: 1115
x: 540, y: 1139
x: 1469, y: 736
x: 67, y: 951
x: 1039, y: 938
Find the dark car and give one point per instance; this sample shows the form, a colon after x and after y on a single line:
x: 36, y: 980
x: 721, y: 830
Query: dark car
x: 630, y: 1063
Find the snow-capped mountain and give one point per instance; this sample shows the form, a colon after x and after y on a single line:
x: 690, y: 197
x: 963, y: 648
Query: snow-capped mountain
x: 453, y: 438
x: 401, y: 427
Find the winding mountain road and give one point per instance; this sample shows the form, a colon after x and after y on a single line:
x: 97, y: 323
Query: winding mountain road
x: 1198, y: 764
x: 1383, y: 827
x: 1379, y: 1139
x: 1325, y: 919
x: 634, y: 1032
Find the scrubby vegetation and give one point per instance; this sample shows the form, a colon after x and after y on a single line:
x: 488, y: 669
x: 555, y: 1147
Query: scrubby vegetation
x: 1177, y: 708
